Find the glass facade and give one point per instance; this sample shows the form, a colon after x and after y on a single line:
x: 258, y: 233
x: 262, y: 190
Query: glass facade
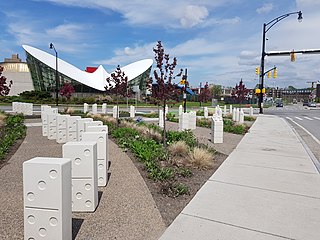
x: 43, y: 78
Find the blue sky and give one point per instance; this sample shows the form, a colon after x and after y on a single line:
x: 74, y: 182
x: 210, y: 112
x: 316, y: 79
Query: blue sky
x: 219, y: 41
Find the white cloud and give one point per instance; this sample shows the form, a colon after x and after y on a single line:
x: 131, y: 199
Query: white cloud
x: 165, y: 13
x: 267, y: 7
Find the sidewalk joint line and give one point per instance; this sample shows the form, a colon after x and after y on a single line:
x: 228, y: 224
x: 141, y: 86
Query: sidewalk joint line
x: 237, y: 226
x: 265, y: 189
x: 275, y: 168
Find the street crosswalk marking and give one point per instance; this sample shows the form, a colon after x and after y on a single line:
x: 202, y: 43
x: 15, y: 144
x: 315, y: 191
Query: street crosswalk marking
x: 308, y: 118
x: 316, y: 118
x: 299, y: 118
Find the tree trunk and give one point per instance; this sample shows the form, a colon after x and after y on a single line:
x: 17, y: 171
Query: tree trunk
x: 164, y: 125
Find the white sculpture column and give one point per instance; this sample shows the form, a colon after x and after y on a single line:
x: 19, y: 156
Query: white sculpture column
x: 132, y: 112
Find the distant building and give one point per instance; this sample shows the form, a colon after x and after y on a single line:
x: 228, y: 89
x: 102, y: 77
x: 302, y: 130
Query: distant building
x: 17, y: 71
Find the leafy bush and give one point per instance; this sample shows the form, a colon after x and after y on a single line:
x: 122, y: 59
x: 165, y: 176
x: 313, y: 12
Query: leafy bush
x: 186, y: 135
x: 203, y: 122
x: 172, y: 117
x: 13, y: 130
x: 249, y: 118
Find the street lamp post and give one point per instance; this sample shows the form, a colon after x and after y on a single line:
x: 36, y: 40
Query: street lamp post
x: 185, y: 77
x: 266, y: 28
x: 56, y: 73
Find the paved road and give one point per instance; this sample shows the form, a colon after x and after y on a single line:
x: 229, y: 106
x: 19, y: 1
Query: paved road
x: 305, y: 121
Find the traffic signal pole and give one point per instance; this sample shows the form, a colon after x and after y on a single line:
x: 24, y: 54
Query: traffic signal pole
x: 185, y: 76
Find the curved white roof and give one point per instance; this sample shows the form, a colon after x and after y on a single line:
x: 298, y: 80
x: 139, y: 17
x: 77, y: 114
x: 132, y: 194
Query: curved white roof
x: 97, y: 79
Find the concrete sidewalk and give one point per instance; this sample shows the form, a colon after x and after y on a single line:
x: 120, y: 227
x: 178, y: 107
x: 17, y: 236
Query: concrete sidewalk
x: 268, y: 188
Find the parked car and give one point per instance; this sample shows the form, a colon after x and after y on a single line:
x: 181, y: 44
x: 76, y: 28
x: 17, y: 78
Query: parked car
x: 312, y: 104
x: 305, y: 103
x: 279, y: 104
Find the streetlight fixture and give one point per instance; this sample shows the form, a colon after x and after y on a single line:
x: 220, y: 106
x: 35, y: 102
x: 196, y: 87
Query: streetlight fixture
x: 56, y: 73
x: 266, y: 28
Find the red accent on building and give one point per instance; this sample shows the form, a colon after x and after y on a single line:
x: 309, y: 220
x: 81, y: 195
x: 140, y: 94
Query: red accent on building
x: 91, y: 69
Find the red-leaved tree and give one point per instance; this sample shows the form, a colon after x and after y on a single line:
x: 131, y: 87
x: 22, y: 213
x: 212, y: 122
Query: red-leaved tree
x: 67, y: 90
x: 205, y: 93
x: 4, y: 86
x: 117, y: 84
x: 164, y: 89
x: 240, y: 92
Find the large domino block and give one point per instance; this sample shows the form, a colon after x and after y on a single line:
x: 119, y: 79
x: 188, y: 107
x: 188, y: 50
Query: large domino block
x: 104, y: 108
x: 102, y: 172
x: 62, y: 136
x: 102, y: 153
x: 102, y: 141
x: 72, y: 136
x: 72, y: 123
x: 83, y: 157
x: 52, y: 119
x: 52, y: 132
x: 62, y: 121
x: 47, y: 198
x: 44, y: 130
x: 93, y: 123
x: 80, y: 126
x: 94, y: 108
x: 192, y: 120
x: 103, y: 128
x: 84, y: 195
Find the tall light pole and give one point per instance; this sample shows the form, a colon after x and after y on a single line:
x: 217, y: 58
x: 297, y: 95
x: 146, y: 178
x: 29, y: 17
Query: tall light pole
x: 56, y: 74
x: 266, y: 28
x: 185, y: 77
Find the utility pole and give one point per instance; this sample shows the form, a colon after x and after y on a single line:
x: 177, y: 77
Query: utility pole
x: 185, y: 77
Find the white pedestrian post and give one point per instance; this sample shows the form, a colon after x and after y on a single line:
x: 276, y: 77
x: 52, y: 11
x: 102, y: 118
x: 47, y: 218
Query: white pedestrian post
x: 237, y: 114
x: 47, y: 198
x: 183, y: 121
x: 94, y: 108
x: 115, y: 112
x: 83, y: 157
x: 206, y: 112
x: 230, y: 109
x: 104, y: 108
x: 192, y: 120
x: 180, y: 110
x: 241, y: 116
x: 85, y: 107
x: 251, y: 112
x: 216, y: 130
x: 161, y: 120
x: 101, y: 138
x: 132, y: 112
x: 234, y: 115
x: 225, y: 110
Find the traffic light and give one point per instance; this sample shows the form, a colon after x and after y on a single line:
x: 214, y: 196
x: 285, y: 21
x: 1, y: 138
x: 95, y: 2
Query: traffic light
x: 263, y: 90
x: 182, y: 81
x: 258, y: 90
x: 257, y: 70
x: 293, y: 57
x: 275, y: 72
x: 269, y: 74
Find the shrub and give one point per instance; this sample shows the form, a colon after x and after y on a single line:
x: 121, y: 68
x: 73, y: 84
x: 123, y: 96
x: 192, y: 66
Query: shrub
x: 204, y: 122
x: 201, y: 158
x: 179, y: 148
x: 249, y: 118
x: 186, y: 135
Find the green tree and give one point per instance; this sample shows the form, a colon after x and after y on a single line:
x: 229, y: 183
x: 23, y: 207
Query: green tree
x: 216, y: 91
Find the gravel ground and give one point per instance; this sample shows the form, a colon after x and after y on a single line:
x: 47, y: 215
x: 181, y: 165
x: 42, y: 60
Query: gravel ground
x: 126, y: 209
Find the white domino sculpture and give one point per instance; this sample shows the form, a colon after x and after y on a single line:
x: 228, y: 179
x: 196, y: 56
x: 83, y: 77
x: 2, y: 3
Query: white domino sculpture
x: 22, y: 107
x: 205, y: 112
x: 101, y: 138
x: 85, y: 107
x: 115, y: 112
x: 94, y: 108
x: 80, y: 127
x: 52, y: 126
x: 104, y: 108
x: 161, y: 120
x: 62, y: 123
x: 183, y: 121
x: 72, y: 134
x: 192, y: 120
x: 91, y: 124
x: 83, y: 157
x: 45, y: 111
x: 47, y: 198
